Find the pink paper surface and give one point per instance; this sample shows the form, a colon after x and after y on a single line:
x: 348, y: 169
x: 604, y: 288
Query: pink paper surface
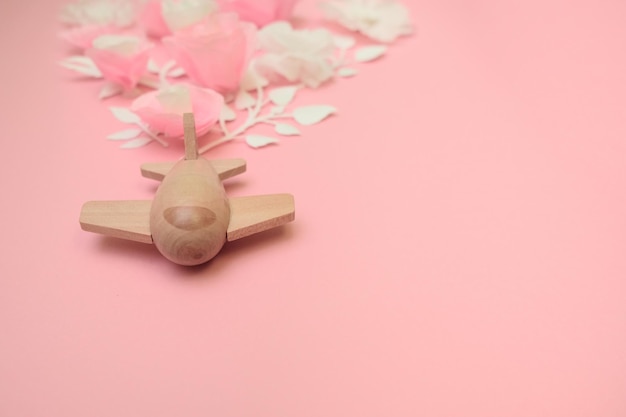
x: 458, y: 248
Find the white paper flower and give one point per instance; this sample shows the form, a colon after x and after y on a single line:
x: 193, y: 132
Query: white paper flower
x: 120, y: 13
x: 179, y: 14
x: 297, y: 55
x: 381, y: 20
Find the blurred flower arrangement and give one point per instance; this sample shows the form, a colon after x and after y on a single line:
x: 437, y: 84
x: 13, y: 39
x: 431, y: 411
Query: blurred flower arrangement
x: 234, y: 63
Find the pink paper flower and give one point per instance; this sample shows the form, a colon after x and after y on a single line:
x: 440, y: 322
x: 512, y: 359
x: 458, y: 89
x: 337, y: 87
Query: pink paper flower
x: 216, y: 52
x: 260, y: 12
x: 163, y: 110
x: 121, y: 59
x: 152, y: 21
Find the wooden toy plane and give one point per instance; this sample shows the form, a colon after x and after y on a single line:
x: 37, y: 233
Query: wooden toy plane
x: 191, y: 217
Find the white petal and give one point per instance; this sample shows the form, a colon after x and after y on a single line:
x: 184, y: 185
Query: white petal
x: 283, y: 96
x: 228, y: 114
x: 347, y: 72
x: 287, y: 130
x: 176, y: 73
x: 370, y: 53
x: 344, y: 42
x: 83, y: 65
x: 125, y: 134
x: 311, y: 115
x: 136, y: 143
x: 258, y: 141
x: 153, y: 67
x: 244, y: 100
x: 124, y: 115
x: 110, y: 90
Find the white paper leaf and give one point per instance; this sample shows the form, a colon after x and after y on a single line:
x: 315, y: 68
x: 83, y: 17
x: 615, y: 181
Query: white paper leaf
x: 110, y: 90
x: 344, y: 42
x: 283, y: 96
x: 277, y: 110
x: 228, y: 114
x: 125, y: 134
x: 370, y: 53
x: 125, y: 115
x: 150, y: 82
x: 136, y: 143
x: 258, y: 141
x: 311, y: 115
x: 82, y: 65
x: 153, y: 67
x: 176, y: 73
x: 347, y: 72
x: 244, y: 100
x: 287, y: 130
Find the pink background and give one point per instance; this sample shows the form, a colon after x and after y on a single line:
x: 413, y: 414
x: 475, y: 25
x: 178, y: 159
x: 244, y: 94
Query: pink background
x: 458, y: 249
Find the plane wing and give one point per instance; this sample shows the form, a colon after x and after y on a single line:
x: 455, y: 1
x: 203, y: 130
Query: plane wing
x: 254, y: 214
x: 225, y: 168
x: 122, y: 219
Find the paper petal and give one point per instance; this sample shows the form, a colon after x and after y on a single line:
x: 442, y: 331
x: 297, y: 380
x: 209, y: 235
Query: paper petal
x: 110, y: 90
x: 283, y: 96
x: 125, y: 134
x: 370, y: 53
x: 344, y: 42
x: 83, y: 65
x: 258, y: 141
x: 153, y: 67
x: 124, y: 115
x: 176, y: 73
x: 136, y: 143
x: 244, y: 100
x: 311, y: 115
x: 228, y: 114
x: 287, y: 130
x: 347, y: 72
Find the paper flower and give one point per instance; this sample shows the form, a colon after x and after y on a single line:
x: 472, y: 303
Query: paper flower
x: 216, y: 52
x: 297, y: 55
x: 260, y: 12
x: 152, y: 21
x: 180, y: 14
x: 162, y: 110
x: 120, y: 13
x: 121, y: 59
x: 381, y: 20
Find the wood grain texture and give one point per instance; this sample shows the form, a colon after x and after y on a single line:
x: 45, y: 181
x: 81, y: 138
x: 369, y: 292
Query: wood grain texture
x: 190, y: 213
x: 122, y: 219
x: 225, y: 168
x: 191, y: 143
x: 254, y: 214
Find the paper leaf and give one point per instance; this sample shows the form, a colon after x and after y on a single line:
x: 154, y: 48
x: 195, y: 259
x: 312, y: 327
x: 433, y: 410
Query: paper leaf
x: 277, y: 110
x: 244, y: 100
x: 176, y: 73
x: 370, y: 53
x: 228, y: 114
x: 287, y: 130
x: 136, y: 143
x: 344, y: 42
x: 153, y: 67
x: 347, y: 72
x: 110, y: 90
x: 125, y: 115
x: 82, y: 65
x: 283, y: 96
x: 125, y: 134
x: 311, y: 115
x: 258, y: 141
